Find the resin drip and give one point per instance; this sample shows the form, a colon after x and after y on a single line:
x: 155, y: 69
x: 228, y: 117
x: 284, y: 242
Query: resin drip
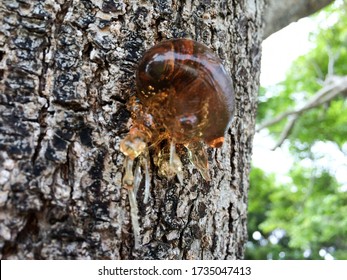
x: 184, y: 97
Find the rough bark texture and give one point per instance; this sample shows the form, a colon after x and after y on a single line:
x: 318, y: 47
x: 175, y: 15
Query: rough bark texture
x: 67, y: 69
x: 278, y: 14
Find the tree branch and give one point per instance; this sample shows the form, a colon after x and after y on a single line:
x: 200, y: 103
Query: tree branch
x: 334, y: 86
x: 279, y: 14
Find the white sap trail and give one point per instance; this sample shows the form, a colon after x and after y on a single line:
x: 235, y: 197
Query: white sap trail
x: 134, y: 217
x: 147, y: 182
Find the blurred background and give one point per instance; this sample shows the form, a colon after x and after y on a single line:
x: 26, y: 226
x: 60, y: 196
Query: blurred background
x: 298, y: 184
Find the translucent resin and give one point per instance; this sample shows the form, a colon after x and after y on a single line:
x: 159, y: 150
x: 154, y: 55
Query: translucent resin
x: 184, y: 98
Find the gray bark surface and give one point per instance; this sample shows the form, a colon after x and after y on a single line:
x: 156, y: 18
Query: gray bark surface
x: 67, y: 69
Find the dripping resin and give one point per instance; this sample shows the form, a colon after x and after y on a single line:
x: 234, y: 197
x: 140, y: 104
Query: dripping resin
x: 185, y: 98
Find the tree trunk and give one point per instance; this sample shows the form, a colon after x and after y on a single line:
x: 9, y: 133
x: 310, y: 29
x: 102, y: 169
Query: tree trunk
x: 67, y: 70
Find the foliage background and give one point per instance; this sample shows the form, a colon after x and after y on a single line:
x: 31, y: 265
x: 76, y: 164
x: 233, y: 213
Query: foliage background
x: 305, y: 218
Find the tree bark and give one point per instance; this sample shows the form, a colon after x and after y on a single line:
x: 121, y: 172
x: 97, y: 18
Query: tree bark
x: 67, y: 70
